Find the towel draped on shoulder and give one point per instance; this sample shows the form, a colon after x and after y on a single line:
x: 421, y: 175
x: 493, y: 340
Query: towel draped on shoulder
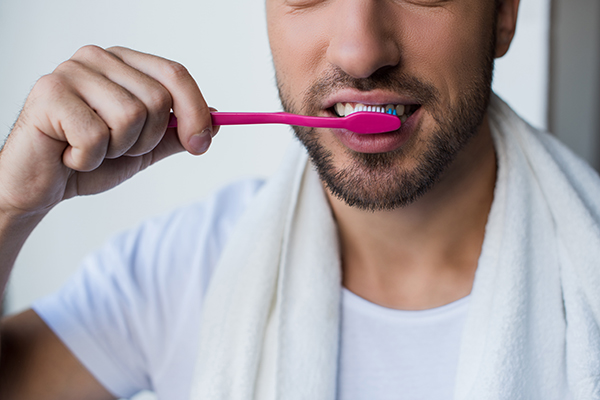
x: 270, y: 324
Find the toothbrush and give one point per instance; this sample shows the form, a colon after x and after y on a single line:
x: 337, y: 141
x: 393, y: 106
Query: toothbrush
x: 363, y: 122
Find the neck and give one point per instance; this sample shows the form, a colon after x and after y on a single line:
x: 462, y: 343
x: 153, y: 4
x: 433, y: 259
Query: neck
x: 423, y: 255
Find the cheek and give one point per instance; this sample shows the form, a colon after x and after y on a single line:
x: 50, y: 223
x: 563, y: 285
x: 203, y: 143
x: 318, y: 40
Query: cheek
x: 447, y: 50
x: 297, y: 44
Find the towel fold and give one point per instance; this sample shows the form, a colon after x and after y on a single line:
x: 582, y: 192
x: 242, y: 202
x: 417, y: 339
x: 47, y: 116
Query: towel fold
x: 270, y: 324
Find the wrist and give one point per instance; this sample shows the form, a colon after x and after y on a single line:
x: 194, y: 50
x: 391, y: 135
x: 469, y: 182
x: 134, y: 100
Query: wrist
x: 15, y: 224
x: 15, y: 228
x: 18, y: 222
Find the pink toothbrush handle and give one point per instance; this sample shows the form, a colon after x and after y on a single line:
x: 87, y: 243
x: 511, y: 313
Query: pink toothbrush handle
x: 235, y: 118
x: 248, y: 118
x: 361, y: 122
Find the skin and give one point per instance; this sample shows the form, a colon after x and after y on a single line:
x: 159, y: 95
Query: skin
x: 97, y: 120
x: 425, y: 254
x: 101, y: 117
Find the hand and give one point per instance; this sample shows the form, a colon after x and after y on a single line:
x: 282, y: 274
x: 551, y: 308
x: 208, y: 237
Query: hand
x: 94, y: 122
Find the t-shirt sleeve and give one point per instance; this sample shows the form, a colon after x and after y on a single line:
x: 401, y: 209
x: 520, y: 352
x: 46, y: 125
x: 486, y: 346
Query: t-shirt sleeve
x: 133, y: 301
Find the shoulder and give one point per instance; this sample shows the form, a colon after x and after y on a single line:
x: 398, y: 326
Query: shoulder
x: 208, y: 220
x: 131, y: 305
x: 186, y: 241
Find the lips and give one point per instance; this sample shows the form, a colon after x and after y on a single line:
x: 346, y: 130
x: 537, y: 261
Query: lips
x: 349, y: 101
x: 380, y: 142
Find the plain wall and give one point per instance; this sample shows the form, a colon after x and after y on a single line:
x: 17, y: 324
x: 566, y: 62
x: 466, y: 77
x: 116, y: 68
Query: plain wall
x: 521, y: 77
x: 224, y: 45
x: 575, y: 76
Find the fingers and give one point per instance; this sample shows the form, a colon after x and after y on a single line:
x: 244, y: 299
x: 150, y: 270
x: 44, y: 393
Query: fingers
x: 194, y: 125
x: 111, y: 172
x: 95, y: 121
x: 126, y: 116
x: 66, y: 118
x: 106, y: 104
x: 155, y: 98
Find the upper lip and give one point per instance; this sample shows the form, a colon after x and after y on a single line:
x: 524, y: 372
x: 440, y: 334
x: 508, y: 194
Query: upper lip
x: 375, y: 97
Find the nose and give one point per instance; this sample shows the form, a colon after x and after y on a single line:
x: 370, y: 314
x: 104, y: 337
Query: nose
x: 362, y: 39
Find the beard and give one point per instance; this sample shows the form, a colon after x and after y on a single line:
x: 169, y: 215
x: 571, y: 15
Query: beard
x: 382, y: 181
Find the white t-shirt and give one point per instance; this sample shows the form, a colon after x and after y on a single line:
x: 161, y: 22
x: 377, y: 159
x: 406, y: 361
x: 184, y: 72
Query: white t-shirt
x: 131, y: 314
x: 388, y: 354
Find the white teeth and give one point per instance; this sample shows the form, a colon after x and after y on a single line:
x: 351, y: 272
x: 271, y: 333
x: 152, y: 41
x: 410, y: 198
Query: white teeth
x: 348, y: 109
x: 401, y: 110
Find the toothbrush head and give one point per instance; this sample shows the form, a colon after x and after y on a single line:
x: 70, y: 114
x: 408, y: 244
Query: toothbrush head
x: 365, y: 122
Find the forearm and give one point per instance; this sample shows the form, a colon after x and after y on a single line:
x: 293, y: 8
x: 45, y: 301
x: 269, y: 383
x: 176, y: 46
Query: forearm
x: 14, y: 231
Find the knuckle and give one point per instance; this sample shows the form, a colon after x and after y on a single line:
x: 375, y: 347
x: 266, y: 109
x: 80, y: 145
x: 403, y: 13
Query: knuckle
x: 137, y: 112
x: 49, y: 84
x: 89, y: 52
x: 97, y: 133
x: 176, y: 71
x: 68, y: 67
x: 160, y: 100
x: 134, y: 113
x: 116, y: 49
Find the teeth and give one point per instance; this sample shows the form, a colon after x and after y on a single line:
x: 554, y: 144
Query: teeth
x: 348, y: 110
x: 401, y: 110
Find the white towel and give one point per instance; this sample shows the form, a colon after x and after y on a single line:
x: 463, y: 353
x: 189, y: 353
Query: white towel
x: 532, y: 330
x: 270, y: 324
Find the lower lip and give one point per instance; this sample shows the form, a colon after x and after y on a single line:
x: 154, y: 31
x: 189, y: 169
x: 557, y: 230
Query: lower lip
x: 378, y: 142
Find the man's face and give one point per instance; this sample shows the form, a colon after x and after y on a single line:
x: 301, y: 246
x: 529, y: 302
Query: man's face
x: 430, y: 60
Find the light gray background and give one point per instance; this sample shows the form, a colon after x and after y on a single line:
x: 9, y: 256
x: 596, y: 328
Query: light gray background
x: 574, y: 114
x: 224, y: 45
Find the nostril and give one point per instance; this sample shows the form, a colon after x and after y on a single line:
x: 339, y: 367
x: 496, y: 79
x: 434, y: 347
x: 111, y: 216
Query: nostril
x: 363, y: 57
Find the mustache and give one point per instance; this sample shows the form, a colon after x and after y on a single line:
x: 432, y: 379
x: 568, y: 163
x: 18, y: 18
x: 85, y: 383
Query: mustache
x: 334, y: 80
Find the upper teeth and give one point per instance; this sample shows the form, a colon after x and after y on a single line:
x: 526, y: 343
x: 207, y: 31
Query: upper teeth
x: 345, y: 109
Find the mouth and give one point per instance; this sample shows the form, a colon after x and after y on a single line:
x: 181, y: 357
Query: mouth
x: 403, y: 111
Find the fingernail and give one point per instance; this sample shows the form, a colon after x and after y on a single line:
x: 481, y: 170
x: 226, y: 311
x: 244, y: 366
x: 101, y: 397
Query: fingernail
x: 201, y: 141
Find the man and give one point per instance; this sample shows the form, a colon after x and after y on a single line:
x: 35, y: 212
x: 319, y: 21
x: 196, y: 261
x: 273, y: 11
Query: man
x: 404, y: 220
